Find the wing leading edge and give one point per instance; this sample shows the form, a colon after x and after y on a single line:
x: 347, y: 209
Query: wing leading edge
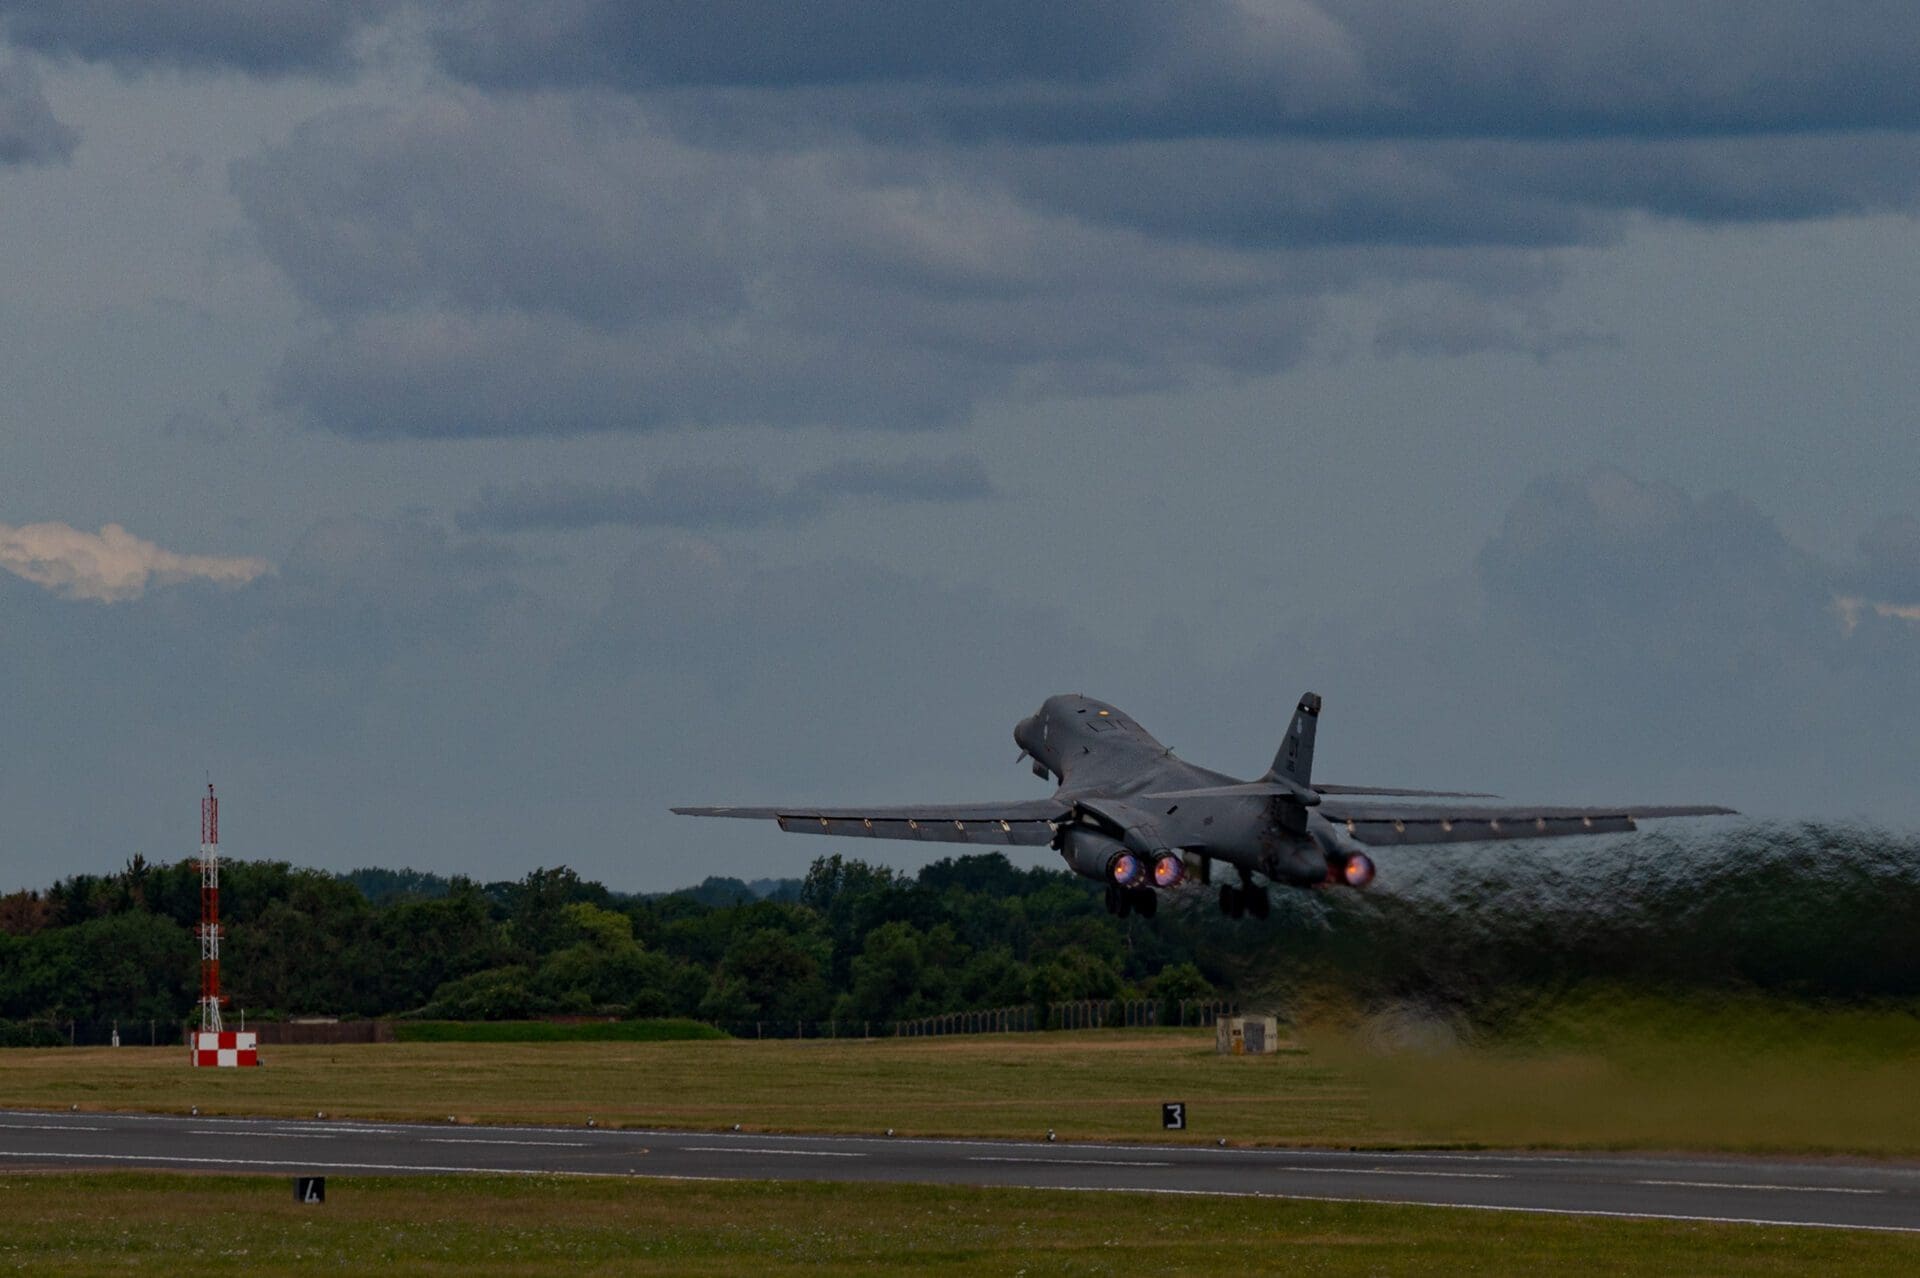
x: 1021, y: 823
x: 1383, y: 824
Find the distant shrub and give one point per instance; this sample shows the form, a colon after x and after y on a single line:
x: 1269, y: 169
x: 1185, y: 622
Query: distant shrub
x: 30, y: 1034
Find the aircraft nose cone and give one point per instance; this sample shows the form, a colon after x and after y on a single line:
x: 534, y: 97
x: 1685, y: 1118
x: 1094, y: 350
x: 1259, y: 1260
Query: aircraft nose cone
x: 1026, y: 733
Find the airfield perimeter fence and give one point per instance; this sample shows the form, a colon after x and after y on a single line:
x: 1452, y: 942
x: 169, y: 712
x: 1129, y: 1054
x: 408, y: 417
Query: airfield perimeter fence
x: 1093, y: 1013
x: 77, y: 1033
x: 1074, y: 1014
x: 144, y: 1032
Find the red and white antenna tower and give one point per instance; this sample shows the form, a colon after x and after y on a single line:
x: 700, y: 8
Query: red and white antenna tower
x: 210, y: 913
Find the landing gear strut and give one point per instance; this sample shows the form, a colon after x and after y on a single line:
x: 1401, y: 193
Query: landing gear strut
x: 1244, y: 899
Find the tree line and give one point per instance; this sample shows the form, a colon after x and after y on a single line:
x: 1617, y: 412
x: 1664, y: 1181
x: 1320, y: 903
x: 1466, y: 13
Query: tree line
x: 1809, y: 911
x: 850, y: 942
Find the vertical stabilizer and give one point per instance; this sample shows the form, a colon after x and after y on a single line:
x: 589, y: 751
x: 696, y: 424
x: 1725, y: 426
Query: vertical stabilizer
x: 1295, y: 761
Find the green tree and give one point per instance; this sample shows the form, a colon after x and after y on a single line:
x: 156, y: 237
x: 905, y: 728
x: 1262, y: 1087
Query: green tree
x: 310, y: 951
x: 780, y: 975
x: 1075, y: 973
x: 726, y: 1002
x: 1176, y: 982
x: 135, y: 966
x: 605, y: 968
x: 423, y: 943
x: 902, y: 972
x: 994, y: 978
x: 538, y: 905
x: 498, y: 994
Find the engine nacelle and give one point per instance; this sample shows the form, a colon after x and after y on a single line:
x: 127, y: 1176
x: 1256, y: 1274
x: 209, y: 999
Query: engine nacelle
x: 1346, y: 863
x: 1100, y: 856
x: 1355, y: 870
x: 1169, y: 870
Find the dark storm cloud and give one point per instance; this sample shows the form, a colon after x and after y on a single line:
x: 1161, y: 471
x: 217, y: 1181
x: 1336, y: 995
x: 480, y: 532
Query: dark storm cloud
x: 1452, y: 193
x: 740, y: 42
x: 709, y: 497
x: 881, y: 215
x: 1504, y: 122
x: 258, y: 37
x: 532, y: 268
x: 1223, y: 68
x: 29, y: 133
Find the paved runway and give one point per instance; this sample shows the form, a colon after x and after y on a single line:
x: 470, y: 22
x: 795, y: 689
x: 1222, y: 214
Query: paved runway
x: 1831, y: 1194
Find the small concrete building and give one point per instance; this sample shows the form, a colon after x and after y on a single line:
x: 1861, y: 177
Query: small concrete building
x: 1247, y: 1035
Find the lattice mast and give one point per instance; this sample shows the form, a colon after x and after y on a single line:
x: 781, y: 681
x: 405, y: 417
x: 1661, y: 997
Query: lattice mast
x: 210, y: 913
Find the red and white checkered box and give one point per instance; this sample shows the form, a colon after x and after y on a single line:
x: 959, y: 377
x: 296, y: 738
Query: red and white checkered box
x: 227, y: 1048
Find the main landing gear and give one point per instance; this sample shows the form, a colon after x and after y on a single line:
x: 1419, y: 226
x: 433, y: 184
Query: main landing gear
x: 1244, y: 899
x: 1124, y: 901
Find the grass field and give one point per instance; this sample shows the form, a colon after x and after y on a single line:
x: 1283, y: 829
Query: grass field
x: 1595, y: 1074
x: 125, y: 1222
x: 1091, y: 1084
x: 1614, y: 1071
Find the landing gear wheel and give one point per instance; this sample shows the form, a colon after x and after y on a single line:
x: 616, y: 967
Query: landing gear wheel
x: 1231, y: 903
x: 1257, y: 903
x: 1146, y: 902
x: 1113, y: 899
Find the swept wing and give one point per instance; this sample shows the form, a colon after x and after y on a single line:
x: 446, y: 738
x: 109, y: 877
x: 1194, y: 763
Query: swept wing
x: 1021, y: 822
x: 1402, y: 823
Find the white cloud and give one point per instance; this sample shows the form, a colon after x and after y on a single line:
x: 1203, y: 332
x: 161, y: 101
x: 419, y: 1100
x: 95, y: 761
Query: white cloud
x: 111, y: 565
x: 1852, y: 606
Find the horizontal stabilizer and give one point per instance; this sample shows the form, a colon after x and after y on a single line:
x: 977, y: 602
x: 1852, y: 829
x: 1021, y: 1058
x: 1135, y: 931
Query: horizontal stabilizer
x: 1389, y: 792
x: 1249, y: 790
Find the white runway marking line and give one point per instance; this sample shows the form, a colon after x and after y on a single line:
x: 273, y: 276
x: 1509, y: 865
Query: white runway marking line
x: 1789, y: 1189
x: 1530, y: 1211
x: 761, y: 1149
x: 468, y: 1140
x: 222, y: 1131
x: 1390, y: 1171
x: 307, y: 1165
x: 1064, y: 1162
x: 51, y: 1127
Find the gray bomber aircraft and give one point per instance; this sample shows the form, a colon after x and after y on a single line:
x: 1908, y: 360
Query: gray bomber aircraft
x: 1130, y: 814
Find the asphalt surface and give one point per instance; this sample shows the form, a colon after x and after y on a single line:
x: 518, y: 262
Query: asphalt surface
x: 1829, y: 1194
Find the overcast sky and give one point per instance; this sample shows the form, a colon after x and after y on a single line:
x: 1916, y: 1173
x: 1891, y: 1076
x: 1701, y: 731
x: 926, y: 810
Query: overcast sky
x: 464, y: 429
